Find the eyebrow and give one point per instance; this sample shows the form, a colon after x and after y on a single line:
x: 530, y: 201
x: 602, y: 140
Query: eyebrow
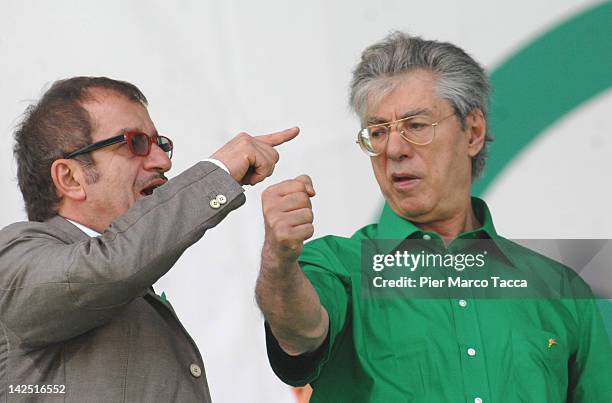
x: 375, y: 120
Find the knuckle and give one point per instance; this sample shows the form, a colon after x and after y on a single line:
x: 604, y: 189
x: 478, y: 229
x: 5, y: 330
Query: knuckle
x: 266, y: 166
x: 303, y: 199
x: 301, y: 187
x: 268, y: 212
x: 274, y: 190
x: 279, y: 226
x: 298, y: 198
x: 243, y: 138
x: 273, y: 222
x: 267, y: 192
x: 309, y: 216
x: 284, y: 236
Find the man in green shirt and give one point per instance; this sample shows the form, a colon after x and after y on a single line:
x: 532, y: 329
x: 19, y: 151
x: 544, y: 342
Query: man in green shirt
x: 423, y: 109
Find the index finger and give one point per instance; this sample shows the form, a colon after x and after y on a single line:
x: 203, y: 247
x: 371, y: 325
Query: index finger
x: 278, y: 138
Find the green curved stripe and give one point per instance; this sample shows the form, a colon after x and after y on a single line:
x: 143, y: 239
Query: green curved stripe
x: 549, y: 77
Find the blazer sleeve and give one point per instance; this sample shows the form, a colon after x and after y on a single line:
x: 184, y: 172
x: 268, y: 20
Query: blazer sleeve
x: 53, y: 288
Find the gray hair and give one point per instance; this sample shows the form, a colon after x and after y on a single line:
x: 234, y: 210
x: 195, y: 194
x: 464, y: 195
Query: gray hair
x: 460, y: 79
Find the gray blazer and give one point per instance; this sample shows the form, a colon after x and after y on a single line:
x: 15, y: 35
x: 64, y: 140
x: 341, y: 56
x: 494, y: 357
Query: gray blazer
x: 79, y: 311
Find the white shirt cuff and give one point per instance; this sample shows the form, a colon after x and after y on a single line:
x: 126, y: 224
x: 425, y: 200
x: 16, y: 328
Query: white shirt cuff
x: 218, y: 163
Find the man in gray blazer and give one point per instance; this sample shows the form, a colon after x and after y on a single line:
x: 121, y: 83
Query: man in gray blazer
x: 79, y: 321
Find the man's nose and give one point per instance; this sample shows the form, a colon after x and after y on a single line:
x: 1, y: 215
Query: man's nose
x: 398, y: 147
x: 158, y: 159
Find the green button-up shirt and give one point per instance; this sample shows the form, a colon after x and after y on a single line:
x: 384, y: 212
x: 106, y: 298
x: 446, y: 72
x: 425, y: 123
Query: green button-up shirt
x: 443, y: 350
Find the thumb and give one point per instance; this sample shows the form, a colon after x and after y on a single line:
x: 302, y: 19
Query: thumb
x: 305, y: 179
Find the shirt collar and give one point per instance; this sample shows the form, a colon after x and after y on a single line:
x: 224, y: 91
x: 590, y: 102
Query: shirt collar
x: 392, y: 226
x: 85, y: 229
x: 396, y: 228
x: 483, y: 215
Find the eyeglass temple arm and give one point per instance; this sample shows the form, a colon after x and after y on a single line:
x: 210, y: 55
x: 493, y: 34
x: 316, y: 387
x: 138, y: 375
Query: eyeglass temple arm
x: 95, y: 146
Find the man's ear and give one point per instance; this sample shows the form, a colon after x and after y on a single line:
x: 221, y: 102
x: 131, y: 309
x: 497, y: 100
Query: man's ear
x: 68, y: 178
x: 476, y: 130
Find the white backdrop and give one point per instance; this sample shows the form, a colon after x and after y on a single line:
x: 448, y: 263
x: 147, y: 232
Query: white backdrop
x: 212, y: 69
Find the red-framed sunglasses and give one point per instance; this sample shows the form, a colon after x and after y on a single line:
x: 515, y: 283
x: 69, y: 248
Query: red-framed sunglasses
x: 139, y: 144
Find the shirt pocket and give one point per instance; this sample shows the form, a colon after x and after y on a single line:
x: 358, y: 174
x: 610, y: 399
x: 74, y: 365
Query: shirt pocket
x: 540, y: 366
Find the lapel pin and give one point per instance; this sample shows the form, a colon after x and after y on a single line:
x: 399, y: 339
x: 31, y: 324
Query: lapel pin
x: 551, y: 342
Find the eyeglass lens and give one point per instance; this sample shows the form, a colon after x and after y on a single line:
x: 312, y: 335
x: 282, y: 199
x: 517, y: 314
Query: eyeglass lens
x: 375, y: 138
x: 164, y: 143
x: 141, y: 145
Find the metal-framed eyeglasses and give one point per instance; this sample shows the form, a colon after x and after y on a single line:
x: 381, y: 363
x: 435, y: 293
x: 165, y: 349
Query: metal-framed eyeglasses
x: 414, y: 129
x: 138, y: 143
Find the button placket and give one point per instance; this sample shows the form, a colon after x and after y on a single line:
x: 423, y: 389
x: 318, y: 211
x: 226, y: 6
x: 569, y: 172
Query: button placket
x: 471, y: 350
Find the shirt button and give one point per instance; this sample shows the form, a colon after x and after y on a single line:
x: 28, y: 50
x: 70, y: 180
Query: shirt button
x: 427, y: 237
x: 477, y: 400
x: 221, y: 199
x: 471, y: 352
x: 196, y: 371
x: 462, y: 303
x: 214, y: 203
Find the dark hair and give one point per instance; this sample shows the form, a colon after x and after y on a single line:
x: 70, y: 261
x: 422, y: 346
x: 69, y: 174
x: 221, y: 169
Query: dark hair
x: 55, y: 125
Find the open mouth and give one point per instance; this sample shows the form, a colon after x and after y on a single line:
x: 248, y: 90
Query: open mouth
x: 404, y: 181
x: 148, y: 191
x: 403, y: 178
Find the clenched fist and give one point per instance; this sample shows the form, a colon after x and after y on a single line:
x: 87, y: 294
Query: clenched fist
x: 288, y: 218
x: 251, y: 159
